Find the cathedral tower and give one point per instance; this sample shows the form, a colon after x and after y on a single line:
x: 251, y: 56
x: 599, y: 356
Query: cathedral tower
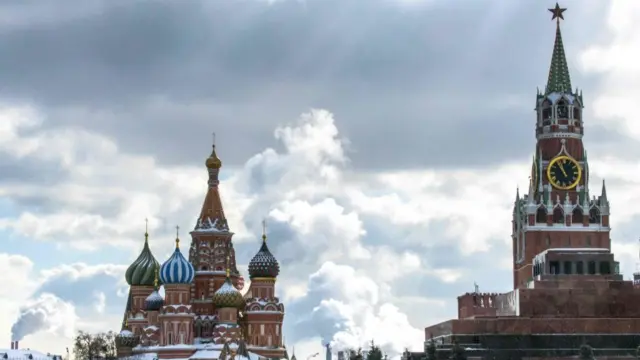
x: 211, y: 243
x: 557, y: 211
x: 264, y: 312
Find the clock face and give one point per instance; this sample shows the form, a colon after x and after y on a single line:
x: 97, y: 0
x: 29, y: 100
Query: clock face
x: 564, y: 173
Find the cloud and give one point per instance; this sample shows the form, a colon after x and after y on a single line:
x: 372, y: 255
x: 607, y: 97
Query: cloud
x: 346, y: 309
x: 403, y: 198
x: 46, y: 313
x: 153, y: 72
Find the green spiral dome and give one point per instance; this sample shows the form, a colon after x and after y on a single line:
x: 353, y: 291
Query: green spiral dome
x: 142, y: 272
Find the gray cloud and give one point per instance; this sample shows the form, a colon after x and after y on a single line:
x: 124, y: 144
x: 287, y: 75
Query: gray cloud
x: 441, y: 79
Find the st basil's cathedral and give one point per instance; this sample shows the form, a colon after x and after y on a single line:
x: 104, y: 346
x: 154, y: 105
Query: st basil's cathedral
x: 203, y: 314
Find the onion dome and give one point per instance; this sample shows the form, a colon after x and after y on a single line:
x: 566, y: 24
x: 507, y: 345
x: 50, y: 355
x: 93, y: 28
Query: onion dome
x: 126, y: 338
x: 154, y: 301
x: 177, y: 270
x: 213, y: 162
x: 142, y: 271
x: 227, y: 296
x: 264, y: 264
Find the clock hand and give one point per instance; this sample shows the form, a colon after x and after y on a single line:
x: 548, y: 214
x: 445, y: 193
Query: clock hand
x: 563, y: 171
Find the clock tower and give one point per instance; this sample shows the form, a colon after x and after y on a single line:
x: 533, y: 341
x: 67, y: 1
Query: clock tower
x: 558, y: 210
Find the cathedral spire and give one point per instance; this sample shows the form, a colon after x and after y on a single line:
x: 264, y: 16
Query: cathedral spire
x: 559, y: 78
x: 212, y: 216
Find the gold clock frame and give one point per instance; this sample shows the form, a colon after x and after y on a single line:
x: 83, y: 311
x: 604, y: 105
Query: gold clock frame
x: 558, y: 159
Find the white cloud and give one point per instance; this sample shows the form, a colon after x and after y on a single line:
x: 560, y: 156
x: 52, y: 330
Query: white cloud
x: 348, y: 312
x: 616, y: 105
x: 345, y: 238
x: 45, y: 313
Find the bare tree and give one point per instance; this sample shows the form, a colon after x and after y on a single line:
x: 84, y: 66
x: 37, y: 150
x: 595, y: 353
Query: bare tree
x: 94, y: 346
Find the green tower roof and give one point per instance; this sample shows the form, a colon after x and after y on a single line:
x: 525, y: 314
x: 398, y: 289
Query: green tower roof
x: 559, y: 78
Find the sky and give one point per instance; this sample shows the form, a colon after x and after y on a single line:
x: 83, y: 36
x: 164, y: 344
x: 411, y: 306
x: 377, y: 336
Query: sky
x: 382, y: 141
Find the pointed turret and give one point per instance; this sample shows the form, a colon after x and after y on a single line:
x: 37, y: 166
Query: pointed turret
x: 212, y: 216
x: 603, y: 197
x: 559, y: 80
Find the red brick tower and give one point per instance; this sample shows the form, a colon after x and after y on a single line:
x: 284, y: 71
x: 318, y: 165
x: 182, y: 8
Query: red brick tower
x: 568, y: 299
x: 210, y: 245
x: 264, y: 312
x: 557, y: 211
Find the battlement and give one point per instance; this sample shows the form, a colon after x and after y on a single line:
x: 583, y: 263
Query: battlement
x: 476, y: 304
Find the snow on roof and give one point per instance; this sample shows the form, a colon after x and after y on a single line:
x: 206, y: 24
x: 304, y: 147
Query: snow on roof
x: 143, y: 356
x: 26, y: 354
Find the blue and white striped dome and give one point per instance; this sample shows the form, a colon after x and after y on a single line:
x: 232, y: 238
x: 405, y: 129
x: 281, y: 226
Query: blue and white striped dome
x: 177, y: 270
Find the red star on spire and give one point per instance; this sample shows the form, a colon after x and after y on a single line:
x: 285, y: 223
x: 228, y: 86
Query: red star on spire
x: 557, y: 12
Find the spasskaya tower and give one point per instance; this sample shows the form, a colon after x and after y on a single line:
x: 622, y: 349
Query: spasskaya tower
x: 558, y: 211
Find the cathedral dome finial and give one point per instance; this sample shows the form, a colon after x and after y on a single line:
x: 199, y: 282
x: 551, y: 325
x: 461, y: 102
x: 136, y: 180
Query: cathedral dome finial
x: 213, y: 162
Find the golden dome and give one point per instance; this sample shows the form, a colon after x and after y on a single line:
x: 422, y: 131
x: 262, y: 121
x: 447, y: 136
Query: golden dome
x: 213, y: 162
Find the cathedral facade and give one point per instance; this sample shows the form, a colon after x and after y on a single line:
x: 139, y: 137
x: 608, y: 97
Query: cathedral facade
x: 203, y: 314
x: 569, y: 298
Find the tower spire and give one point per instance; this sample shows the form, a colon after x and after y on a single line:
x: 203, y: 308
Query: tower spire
x: 559, y: 78
x: 146, y: 230
x: 212, y: 214
x: 264, y: 231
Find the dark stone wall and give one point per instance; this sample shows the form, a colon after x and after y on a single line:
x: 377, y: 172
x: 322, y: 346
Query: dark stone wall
x: 514, y: 347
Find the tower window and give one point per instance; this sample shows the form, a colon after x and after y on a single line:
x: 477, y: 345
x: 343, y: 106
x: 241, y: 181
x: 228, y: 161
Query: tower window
x: 554, y: 267
x: 594, y: 216
x: 546, y: 113
x: 576, y: 113
x: 568, y: 267
x: 580, y: 267
x: 558, y: 215
x: 562, y: 110
x: 576, y: 216
x: 591, y: 268
x: 541, y: 215
x: 605, y: 268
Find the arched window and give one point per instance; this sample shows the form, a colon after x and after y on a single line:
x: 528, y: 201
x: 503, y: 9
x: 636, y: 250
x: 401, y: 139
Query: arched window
x: 558, y: 215
x: 546, y: 113
x: 576, y: 113
x: 562, y: 110
x: 541, y: 215
x: 169, y: 339
x: 577, y: 217
x: 594, y: 216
